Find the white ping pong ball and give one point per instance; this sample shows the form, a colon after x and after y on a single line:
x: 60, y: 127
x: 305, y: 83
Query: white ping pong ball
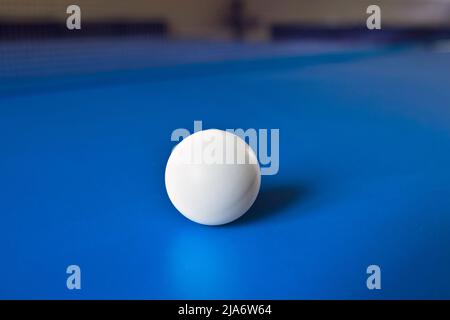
x: 212, y: 177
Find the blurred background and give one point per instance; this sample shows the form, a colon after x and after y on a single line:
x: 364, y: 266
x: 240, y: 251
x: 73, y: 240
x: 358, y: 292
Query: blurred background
x: 218, y: 19
x: 134, y: 34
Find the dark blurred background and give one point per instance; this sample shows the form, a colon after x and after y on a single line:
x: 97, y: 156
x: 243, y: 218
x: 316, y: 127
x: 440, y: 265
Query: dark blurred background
x: 139, y: 34
x: 252, y: 20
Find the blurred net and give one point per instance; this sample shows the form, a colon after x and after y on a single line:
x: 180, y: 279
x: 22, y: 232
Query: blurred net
x: 118, y: 35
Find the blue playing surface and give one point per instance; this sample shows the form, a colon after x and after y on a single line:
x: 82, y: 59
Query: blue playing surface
x: 364, y: 173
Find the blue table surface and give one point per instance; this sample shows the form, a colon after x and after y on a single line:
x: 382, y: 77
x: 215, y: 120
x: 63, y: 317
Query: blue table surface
x: 364, y: 177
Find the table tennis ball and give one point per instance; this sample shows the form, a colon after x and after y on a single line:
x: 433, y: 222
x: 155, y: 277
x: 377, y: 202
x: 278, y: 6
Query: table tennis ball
x: 212, y: 177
